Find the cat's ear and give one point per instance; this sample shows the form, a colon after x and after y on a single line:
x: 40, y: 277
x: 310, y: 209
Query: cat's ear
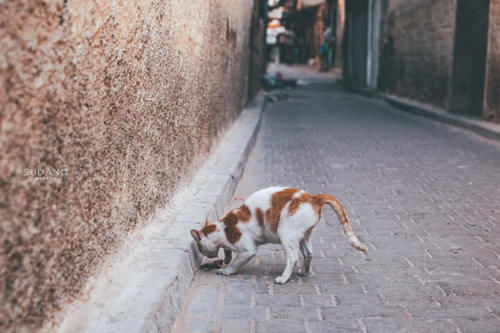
x: 196, y: 235
x: 207, y: 222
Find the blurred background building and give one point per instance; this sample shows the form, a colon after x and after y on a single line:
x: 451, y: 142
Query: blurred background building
x: 442, y: 52
x: 295, y: 30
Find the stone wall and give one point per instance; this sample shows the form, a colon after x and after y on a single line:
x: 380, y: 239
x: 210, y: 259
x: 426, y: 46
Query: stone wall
x: 115, y: 103
x: 492, y: 86
x: 416, y: 57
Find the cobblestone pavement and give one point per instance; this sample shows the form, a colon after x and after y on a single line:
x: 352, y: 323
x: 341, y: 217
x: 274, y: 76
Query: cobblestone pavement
x: 424, y: 197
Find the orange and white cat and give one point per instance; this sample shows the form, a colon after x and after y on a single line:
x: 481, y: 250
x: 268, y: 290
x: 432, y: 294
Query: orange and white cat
x: 271, y: 215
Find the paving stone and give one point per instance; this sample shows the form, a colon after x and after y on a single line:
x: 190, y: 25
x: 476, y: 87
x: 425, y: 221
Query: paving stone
x: 200, y: 325
x: 235, y: 325
x: 294, y: 289
x: 237, y: 298
x: 409, y: 325
x: 203, y: 296
x: 474, y: 326
x: 278, y: 300
x: 339, y: 326
x: 296, y: 313
x: 280, y: 326
x: 238, y: 312
x: 319, y: 300
x: 361, y: 311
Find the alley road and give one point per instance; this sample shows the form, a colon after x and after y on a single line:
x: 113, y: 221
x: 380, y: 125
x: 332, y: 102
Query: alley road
x: 423, y: 196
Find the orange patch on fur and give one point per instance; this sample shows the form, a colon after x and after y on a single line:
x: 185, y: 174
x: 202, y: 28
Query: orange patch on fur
x: 260, y: 216
x: 278, y: 202
x: 233, y: 233
x: 243, y: 213
x: 208, y: 228
x: 308, y: 199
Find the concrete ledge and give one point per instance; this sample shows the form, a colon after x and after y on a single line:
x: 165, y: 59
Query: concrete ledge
x: 143, y: 286
x: 481, y: 127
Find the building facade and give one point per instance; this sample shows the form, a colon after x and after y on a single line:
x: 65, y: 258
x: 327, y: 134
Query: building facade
x: 106, y: 110
x: 440, y: 52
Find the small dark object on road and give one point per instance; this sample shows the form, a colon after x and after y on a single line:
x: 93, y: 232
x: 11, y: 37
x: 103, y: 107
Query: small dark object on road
x: 277, y: 81
x: 212, y: 265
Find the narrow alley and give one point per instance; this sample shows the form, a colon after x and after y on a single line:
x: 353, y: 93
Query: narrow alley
x: 127, y: 126
x: 423, y: 196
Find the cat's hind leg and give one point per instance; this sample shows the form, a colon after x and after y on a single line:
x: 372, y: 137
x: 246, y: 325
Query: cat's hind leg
x: 291, y: 247
x: 306, y: 250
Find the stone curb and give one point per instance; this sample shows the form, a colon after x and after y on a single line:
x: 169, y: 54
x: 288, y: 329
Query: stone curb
x: 144, y: 286
x: 481, y: 127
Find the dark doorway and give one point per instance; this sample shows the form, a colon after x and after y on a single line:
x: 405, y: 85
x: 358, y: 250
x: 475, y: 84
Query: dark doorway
x: 469, y: 56
x: 355, y: 50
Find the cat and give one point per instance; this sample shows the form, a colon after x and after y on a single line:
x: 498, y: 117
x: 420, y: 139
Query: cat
x: 272, y: 215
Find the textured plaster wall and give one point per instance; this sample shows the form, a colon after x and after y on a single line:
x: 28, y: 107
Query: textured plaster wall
x: 416, y: 58
x: 123, y: 99
x: 492, y: 85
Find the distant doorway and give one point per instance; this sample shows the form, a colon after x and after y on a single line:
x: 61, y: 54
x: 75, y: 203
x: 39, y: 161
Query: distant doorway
x: 469, y: 57
x: 357, y: 42
x: 361, y: 50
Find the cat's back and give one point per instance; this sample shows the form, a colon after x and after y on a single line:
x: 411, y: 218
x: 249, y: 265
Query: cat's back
x: 262, y: 198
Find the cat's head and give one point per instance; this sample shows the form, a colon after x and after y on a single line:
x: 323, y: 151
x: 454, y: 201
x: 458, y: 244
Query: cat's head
x: 205, y: 240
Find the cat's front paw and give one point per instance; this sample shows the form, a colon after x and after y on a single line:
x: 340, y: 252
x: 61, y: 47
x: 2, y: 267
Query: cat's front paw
x: 226, y: 271
x: 301, y: 272
x: 280, y: 280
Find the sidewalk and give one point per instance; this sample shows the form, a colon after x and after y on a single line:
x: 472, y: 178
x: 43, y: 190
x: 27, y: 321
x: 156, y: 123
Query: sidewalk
x: 422, y: 195
x: 479, y: 126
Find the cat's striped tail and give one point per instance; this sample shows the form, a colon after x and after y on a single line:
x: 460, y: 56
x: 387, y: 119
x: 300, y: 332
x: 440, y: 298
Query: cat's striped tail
x: 339, y: 210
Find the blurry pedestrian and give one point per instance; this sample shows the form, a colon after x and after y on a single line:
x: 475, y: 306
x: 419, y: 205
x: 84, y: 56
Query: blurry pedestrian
x: 324, y: 49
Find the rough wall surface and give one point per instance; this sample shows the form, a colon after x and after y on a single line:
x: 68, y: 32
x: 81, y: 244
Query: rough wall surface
x: 417, y: 49
x: 118, y: 101
x: 492, y: 86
